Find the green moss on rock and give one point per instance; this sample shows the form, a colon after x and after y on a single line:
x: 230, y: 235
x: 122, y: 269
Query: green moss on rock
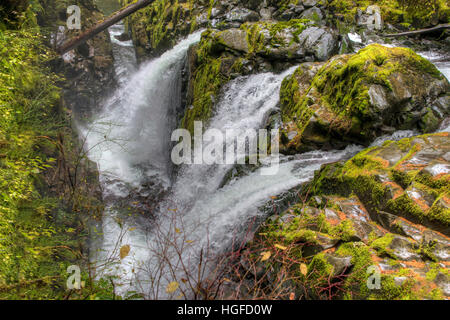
x: 350, y: 96
x: 405, y: 13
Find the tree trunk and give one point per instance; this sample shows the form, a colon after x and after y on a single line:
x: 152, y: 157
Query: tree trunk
x: 103, y: 25
x: 421, y: 31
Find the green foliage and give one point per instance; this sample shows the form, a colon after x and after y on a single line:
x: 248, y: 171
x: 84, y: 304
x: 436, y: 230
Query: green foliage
x: 40, y: 235
x: 422, y: 12
x: 418, y: 13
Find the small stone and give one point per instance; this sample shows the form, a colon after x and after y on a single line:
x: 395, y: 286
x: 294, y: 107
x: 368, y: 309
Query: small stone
x: 400, y: 280
x: 340, y: 264
x: 309, y: 3
x: 292, y: 135
x: 313, y: 13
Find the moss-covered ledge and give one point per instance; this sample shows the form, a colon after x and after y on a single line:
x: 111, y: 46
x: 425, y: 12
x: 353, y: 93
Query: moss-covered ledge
x: 356, y: 98
x: 386, y: 210
x: 408, y: 178
x: 159, y: 26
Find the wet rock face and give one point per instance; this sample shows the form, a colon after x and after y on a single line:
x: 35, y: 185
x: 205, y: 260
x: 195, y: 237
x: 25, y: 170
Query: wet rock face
x: 89, y: 68
x: 159, y: 26
x: 356, y: 98
x: 241, y: 15
x: 386, y: 208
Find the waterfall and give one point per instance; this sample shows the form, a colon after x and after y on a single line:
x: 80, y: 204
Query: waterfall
x: 200, y: 218
x: 129, y: 140
x: 196, y: 216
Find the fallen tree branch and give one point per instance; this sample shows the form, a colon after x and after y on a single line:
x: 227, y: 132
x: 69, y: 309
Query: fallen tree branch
x: 421, y: 31
x: 103, y: 25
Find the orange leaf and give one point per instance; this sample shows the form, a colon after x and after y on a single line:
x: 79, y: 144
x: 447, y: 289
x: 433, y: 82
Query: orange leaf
x: 172, y: 287
x: 280, y: 247
x: 124, y: 251
x: 303, y: 269
x: 265, y: 255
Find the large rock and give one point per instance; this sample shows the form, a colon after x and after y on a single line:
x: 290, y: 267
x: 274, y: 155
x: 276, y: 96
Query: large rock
x: 294, y: 40
x: 359, y: 217
x: 241, y: 15
x: 356, y: 98
x: 235, y: 39
x: 313, y: 13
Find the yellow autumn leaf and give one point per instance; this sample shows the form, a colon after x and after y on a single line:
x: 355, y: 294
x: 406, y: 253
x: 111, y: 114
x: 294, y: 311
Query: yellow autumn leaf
x: 279, y: 246
x: 303, y: 269
x: 265, y: 255
x: 132, y: 229
x: 172, y: 287
x: 177, y: 230
x: 124, y: 251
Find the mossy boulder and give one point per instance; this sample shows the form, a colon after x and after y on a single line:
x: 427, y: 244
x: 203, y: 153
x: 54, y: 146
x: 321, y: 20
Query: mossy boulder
x: 293, y: 40
x: 372, y: 213
x: 356, y: 98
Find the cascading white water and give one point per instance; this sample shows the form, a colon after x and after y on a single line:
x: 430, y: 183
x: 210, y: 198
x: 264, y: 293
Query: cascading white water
x: 198, y: 214
x: 443, y: 64
x: 439, y: 62
x: 130, y: 141
x: 124, y: 54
